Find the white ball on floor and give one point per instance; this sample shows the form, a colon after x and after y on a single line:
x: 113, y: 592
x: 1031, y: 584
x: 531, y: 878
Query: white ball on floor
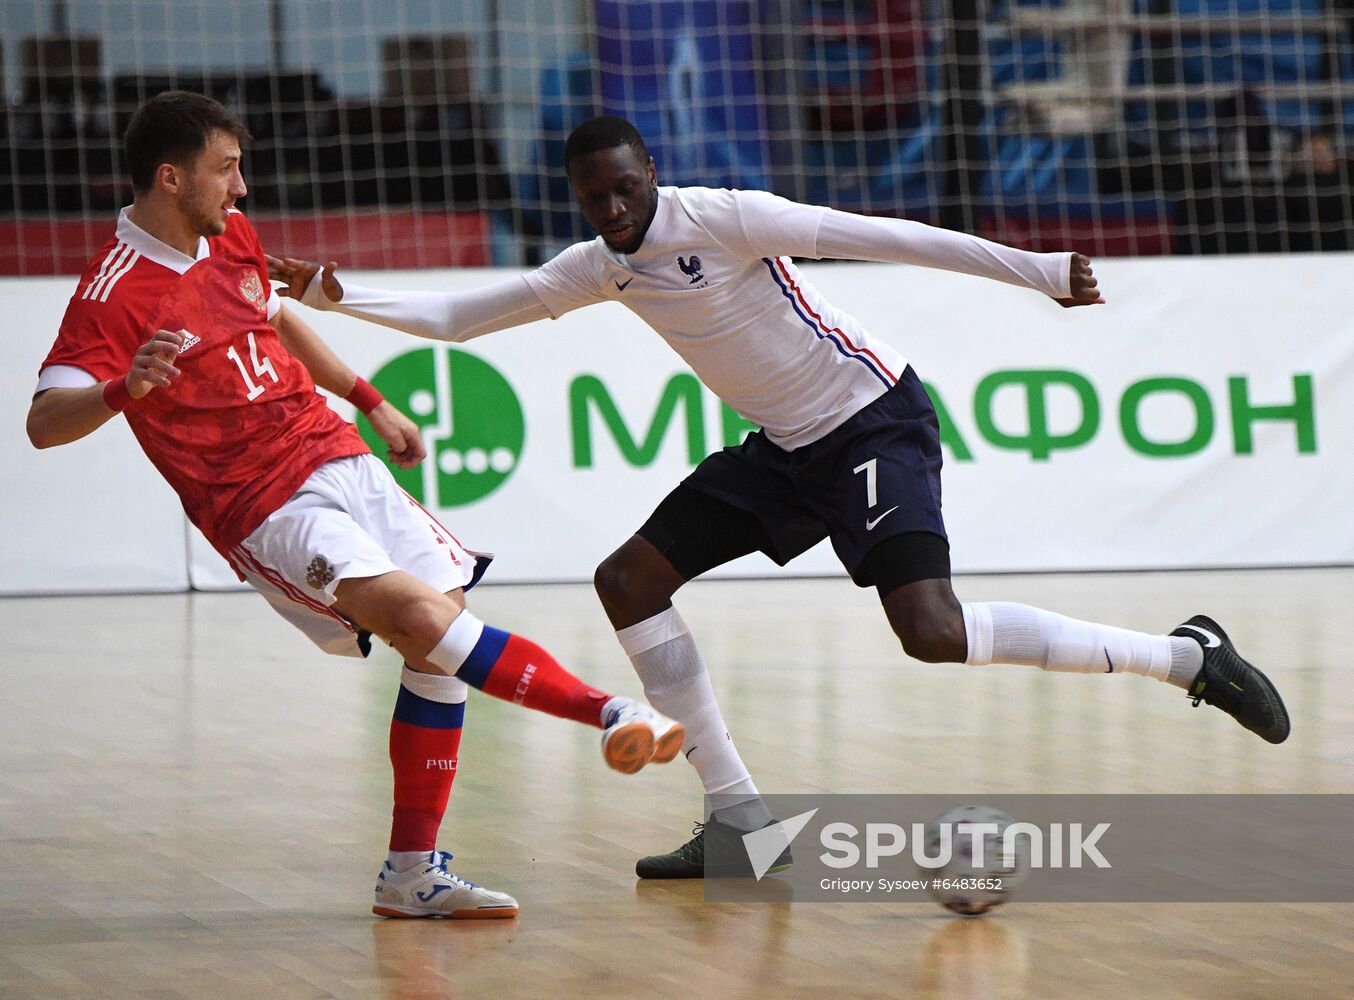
x: 980, y: 874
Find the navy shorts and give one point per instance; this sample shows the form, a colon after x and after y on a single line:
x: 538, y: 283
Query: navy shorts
x: 874, y: 477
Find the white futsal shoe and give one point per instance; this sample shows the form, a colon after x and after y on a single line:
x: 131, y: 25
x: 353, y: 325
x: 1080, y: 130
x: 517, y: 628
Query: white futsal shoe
x: 635, y: 735
x: 429, y: 889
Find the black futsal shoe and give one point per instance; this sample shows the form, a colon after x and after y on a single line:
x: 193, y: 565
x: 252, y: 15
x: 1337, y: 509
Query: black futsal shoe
x: 716, y: 851
x: 1230, y: 683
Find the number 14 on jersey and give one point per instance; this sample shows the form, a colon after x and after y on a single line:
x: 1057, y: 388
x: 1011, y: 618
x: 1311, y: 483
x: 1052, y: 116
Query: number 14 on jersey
x: 261, y: 368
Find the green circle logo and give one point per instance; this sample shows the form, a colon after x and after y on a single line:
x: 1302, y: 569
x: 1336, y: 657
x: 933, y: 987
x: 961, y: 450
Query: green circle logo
x: 468, y: 414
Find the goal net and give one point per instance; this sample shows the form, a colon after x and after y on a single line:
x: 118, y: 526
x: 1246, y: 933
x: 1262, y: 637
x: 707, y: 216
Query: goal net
x: 430, y: 133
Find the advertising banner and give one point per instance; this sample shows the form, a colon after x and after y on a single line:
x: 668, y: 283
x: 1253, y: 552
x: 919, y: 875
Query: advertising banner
x: 1200, y: 418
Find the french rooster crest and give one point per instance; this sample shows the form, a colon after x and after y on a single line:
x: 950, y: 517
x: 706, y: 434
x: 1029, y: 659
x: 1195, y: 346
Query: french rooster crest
x: 691, y: 269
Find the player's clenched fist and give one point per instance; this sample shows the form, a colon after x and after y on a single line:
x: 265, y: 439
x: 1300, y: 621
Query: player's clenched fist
x: 1082, y: 284
x: 401, y: 433
x: 153, y: 363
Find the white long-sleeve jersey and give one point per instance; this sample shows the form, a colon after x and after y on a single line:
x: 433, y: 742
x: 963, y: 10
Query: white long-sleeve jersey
x: 713, y: 278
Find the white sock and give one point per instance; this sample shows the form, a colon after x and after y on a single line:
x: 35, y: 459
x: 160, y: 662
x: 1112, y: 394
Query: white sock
x: 441, y: 688
x: 677, y: 683
x: 457, y: 643
x: 999, y: 632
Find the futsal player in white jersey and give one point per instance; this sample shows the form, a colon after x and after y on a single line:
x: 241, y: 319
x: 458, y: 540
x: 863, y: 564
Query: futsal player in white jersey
x: 849, y: 448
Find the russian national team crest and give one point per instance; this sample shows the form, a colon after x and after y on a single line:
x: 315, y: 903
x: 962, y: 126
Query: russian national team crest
x: 320, y: 573
x: 252, y: 289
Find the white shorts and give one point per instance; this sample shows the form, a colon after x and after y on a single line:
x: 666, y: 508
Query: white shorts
x: 349, y: 519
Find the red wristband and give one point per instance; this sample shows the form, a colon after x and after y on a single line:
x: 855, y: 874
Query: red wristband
x: 115, y: 394
x: 365, y: 396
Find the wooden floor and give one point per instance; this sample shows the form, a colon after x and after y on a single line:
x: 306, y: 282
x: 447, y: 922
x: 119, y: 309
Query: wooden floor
x: 193, y: 802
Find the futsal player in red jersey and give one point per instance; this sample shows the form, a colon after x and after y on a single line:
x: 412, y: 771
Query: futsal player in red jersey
x: 174, y: 324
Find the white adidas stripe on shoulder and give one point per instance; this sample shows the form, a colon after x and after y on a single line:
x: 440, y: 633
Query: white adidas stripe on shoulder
x: 116, y: 275
x: 108, y: 259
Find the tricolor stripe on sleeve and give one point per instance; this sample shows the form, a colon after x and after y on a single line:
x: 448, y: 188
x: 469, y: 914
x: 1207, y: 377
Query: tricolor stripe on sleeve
x: 833, y: 335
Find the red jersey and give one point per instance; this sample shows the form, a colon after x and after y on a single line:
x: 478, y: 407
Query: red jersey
x: 242, y: 427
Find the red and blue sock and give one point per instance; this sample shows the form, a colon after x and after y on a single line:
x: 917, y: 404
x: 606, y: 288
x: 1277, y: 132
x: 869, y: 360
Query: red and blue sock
x: 515, y: 669
x: 425, y: 735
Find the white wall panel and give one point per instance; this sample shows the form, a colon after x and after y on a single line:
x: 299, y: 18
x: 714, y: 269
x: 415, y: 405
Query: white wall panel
x: 88, y: 516
x: 95, y: 516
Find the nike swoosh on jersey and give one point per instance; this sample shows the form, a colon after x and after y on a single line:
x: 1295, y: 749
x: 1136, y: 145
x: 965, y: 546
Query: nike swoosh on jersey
x: 1211, y: 641
x: 620, y: 287
x: 870, y: 523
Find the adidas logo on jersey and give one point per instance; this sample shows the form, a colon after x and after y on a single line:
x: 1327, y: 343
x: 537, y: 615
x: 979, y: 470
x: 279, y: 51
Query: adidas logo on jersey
x: 191, y: 341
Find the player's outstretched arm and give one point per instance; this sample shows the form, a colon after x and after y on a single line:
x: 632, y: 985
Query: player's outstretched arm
x: 60, y: 416
x: 766, y: 225
x: 453, y: 316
